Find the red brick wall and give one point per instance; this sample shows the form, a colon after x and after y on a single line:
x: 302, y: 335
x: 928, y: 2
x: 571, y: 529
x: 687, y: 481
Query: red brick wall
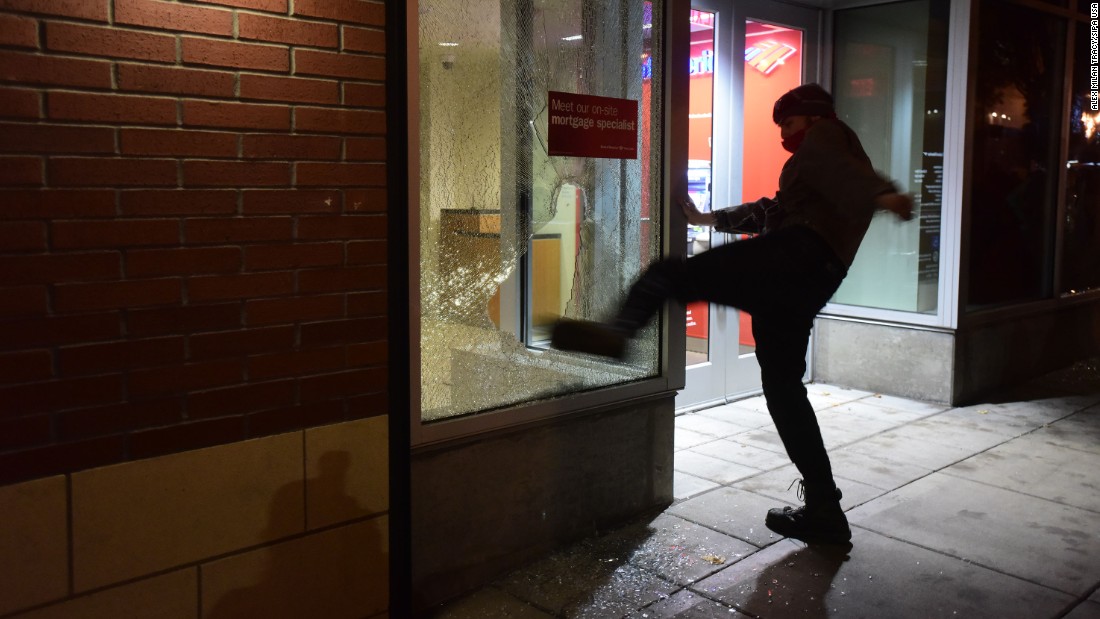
x: 192, y: 224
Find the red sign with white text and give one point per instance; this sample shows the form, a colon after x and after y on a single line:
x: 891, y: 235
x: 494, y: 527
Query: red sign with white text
x: 698, y: 319
x: 591, y: 126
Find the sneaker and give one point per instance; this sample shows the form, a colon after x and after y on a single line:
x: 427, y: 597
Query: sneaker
x: 821, y: 522
x: 590, y: 337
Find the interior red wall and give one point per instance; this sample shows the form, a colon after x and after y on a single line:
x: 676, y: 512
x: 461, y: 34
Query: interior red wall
x: 192, y: 224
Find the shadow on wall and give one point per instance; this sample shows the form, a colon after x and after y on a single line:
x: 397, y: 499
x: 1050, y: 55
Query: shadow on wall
x: 336, y: 572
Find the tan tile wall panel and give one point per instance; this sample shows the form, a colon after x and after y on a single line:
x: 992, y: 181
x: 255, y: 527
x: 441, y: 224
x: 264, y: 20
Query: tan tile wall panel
x: 338, y: 573
x: 141, y: 517
x: 347, y: 471
x: 33, y: 543
x: 169, y: 596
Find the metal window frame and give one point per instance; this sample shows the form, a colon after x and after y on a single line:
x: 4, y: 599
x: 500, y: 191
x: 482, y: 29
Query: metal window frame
x: 674, y: 158
x: 955, y: 175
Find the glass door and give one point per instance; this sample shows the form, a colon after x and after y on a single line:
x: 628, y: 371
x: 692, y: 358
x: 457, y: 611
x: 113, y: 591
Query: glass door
x: 744, y: 55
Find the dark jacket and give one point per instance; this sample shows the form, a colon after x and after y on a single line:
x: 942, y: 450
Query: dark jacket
x: 827, y: 185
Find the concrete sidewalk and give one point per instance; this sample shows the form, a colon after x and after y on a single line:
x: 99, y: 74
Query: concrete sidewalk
x: 990, y: 510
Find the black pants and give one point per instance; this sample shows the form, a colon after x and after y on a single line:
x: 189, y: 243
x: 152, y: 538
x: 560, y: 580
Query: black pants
x: 782, y: 279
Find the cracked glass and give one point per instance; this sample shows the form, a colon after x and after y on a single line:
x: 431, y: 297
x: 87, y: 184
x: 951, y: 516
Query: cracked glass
x: 512, y: 238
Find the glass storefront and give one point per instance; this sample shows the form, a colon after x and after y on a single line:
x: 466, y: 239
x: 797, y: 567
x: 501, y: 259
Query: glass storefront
x: 890, y: 86
x: 1020, y: 77
x: 539, y: 191
x: 1081, y: 220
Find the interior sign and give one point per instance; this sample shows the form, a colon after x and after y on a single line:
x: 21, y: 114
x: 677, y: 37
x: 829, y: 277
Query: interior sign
x: 591, y: 126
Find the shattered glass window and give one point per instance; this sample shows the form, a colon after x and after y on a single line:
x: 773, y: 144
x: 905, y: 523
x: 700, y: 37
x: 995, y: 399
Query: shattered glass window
x: 512, y: 238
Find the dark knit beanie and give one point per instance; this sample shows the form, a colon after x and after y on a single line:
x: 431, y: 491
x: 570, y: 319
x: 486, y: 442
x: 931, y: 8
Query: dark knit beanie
x: 806, y: 100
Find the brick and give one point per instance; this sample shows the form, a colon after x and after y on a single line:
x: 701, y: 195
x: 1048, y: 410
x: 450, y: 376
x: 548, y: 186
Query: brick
x: 364, y: 95
x: 224, y: 230
x: 290, y: 89
x: 55, y: 395
x: 332, y: 64
x: 117, y: 418
x: 174, y: 16
x: 342, y: 227
x: 190, y: 319
x: 368, y: 304
x: 239, y: 399
x: 110, y: 42
x: 94, y: 234
x: 83, y: 234
x: 95, y: 10
x: 358, y: 11
x: 252, y: 285
x: 161, y: 441
x: 217, y: 53
x: 296, y: 363
x: 341, y: 385
x: 291, y: 147
x: 54, y: 71
x: 111, y: 108
x: 93, y: 172
x: 293, y: 256
x: 182, y: 261
x: 294, y: 309
x: 367, y: 252
x: 364, y: 40
x: 17, y: 301
x: 289, y: 31
x: 291, y: 418
x: 341, y: 279
x: 55, y: 331
x: 51, y: 204
x: 334, y: 332
x: 176, y: 80
x: 20, y: 103
x: 124, y: 355
x: 339, y: 174
x: 121, y: 295
x: 61, y: 458
x: 290, y: 201
x: 146, y: 383
x: 365, y: 149
x: 231, y: 344
x: 368, y: 354
x: 179, y: 202
x: 178, y: 142
x: 26, y: 366
x: 21, y: 171
x: 24, y: 432
x: 25, y: 171
x: 235, y: 115
x: 370, y: 200
x: 54, y: 268
x: 326, y: 120
x: 56, y: 139
x: 274, y: 6
x: 235, y: 174
x: 16, y: 31
x: 22, y: 236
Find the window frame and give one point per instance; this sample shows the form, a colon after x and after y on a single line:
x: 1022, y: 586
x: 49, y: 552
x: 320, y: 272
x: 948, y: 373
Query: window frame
x: 670, y: 376
x: 1058, y: 299
x: 955, y: 169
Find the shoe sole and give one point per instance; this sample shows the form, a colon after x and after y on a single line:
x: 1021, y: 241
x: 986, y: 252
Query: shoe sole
x: 832, y: 540
x: 588, y: 337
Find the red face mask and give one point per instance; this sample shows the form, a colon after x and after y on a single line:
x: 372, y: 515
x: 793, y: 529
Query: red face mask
x: 793, y: 141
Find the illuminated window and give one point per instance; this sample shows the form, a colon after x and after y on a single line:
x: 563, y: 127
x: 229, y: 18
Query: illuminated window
x: 512, y: 237
x: 890, y: 87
